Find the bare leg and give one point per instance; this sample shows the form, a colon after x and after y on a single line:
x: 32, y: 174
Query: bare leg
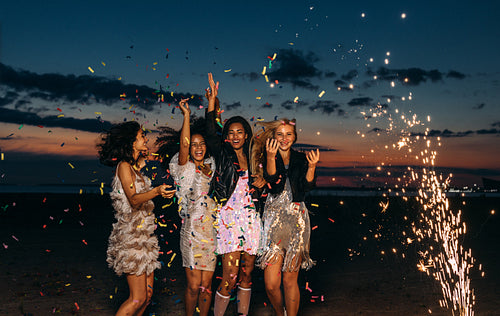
x: 272, y: 280
x: 245, y: 287
x: 193, y: 288
x: 205, y: 296
x: 138, y: 295
x: 230, y: 267
x: 149, y: 292
x: 292, y: 292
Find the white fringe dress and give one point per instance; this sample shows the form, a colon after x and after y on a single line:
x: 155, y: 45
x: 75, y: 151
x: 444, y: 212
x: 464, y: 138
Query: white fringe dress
x: 132, y: 246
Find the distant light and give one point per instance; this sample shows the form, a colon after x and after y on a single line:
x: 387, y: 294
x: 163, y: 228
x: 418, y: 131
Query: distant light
x: 388, y: 53
x: 403, y: 15
x: 386, y: 61
x: 333, y: 179
x: 363, y: 15
x: 371, y: 60
x: 272, y: 85
x: 317, y: 133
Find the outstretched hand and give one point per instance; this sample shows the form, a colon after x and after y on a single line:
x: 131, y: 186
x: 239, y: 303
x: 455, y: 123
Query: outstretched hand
x: 212, y: 92
x: 272, y: 146
x: 313, y: 157
x: 184, y: 106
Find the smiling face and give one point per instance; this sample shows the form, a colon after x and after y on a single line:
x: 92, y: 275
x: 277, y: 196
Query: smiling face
x: 198, y: 148
x: 140, y: 142
x: 285, y: 135
x: 236, y: 135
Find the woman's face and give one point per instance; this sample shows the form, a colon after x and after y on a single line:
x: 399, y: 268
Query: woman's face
x: 140, y: 142
x: 198, y: 148
x: 236, y: 135
x: 285, y: 136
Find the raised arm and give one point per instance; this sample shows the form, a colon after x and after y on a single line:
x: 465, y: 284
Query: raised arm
x: 185, y: 133
x: 312, y: 159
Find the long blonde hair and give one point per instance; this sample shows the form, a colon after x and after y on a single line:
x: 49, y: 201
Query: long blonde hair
x: 265, y: 130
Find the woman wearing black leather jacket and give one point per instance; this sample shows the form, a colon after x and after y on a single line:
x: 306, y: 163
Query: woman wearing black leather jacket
x: 238, y: 221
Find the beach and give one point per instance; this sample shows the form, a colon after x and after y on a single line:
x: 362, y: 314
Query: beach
x: 54, y: 248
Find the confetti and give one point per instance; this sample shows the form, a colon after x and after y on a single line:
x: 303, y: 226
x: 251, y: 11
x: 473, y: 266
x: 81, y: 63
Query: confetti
x: 91, y: 70
x: 321, y: 94
x: 227, y: 70
x: 72, y: 167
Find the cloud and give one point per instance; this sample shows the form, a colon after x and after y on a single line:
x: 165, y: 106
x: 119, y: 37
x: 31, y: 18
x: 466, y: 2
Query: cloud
x: 444, y: 133
x: 479, y: 106
x: 83, y: 89
x: 350, y: 75
x: 327, y: 107
x: 496, y: 124
x: 307, y: 147
x: 488, y: 131
x: 342, y: 85
x: 294, y: 67
x: 267, y: 105
x: 252, y: 76
x: 412, y: 76
x: 233, y: 106
x: 365, y: 101
x: 330, y: 74
x: 455, y: 74
x: 290, y: 105
x: 29, y: 118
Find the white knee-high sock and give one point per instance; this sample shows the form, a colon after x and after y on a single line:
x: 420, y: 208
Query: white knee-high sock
x: 220, y: 304
x: 243, y: 298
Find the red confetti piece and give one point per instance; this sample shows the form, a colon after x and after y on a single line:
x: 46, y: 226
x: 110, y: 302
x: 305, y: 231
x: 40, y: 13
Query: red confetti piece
x: 315, y: 227
x: 331, y: 220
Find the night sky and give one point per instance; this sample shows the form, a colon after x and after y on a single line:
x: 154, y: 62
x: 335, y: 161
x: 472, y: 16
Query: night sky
x: 70, y: 69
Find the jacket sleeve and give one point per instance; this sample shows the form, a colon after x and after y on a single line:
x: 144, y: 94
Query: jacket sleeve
x: 213, y: 140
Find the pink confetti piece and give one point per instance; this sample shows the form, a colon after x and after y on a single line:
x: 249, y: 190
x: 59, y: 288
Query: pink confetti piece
x: 15, y: 238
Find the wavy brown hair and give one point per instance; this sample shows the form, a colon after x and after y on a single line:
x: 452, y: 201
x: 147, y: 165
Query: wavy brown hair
x: 265, y: 130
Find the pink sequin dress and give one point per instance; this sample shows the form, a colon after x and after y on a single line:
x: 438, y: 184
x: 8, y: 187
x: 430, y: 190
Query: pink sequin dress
x: 238, y: 223
x: 132, y: 246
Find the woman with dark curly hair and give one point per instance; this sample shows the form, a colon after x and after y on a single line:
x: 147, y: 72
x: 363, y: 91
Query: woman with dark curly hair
x: 132, y: 246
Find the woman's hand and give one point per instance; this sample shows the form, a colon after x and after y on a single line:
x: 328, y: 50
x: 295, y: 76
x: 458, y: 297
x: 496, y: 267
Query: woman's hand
x: 313, y: 158
x: 212, y: 92
x: 258, y: 181
x: 272, y: 146
x: 184, y: 106
x: 162, y: 190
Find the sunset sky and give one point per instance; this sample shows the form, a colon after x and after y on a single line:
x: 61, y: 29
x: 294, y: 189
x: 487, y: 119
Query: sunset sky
x: 70, y: 69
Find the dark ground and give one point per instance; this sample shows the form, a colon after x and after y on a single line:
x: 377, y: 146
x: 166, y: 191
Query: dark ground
x: 61, y: 269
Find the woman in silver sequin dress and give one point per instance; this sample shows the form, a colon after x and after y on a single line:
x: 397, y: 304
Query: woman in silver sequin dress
x: 287, y: 230
x: 192, y: 172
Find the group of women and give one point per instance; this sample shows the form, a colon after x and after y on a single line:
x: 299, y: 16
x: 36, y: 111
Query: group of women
x: 221, y: 197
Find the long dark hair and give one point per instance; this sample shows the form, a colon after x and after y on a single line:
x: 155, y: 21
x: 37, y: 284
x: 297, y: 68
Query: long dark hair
x: 169, y: 138
x: 246, y: 127
x: 117, y: 144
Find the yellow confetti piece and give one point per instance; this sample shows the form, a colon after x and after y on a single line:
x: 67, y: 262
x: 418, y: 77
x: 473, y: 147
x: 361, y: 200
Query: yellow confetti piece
x: 274, y: 56
x: 315, y: 205
x: 198, y: 255
x: 103, y: 63
x: 264, y: 70
x: 60, y: 115
x: 89, y: 276
x: 203, y: 240
x: 2, y: 156
x: 227, y: 70
x: 321, y: 94
x: 171, y: 259
x: 267, y: 79
x: 120, y: 78
x: 102, y: 192
x: 153, y: 68
x: 81, y: 191
x: 162, y: 225
x: 155, y: 63
x: 187, y: 140
x: 98, y: 113
x: 67, y: 284
x: 296, y: 100
x: 258, y: 98
x: 72, y: 167
x: 291, y: 44
x: 172, y: 93
x: 91, y: 70
x: 167, y: 205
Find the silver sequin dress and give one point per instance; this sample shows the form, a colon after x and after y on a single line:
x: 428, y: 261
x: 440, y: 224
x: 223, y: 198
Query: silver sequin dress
x: 132, y: 246
x: 197, y: 211
x: 286, y: 232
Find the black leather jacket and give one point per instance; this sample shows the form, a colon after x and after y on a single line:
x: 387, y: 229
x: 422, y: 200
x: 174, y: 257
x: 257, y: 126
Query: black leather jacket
x: 226, y: 170
x: 296, y: 172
